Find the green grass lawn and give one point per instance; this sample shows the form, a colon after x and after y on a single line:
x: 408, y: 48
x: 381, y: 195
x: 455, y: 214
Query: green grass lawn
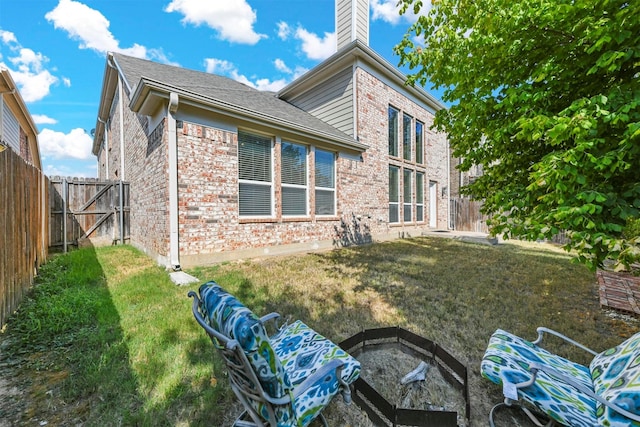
x: 105, y: 338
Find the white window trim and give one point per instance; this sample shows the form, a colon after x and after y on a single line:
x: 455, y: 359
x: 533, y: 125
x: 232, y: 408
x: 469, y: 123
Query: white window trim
x: 271, y: 215
x: 328, y: 189
x: 419, y: 204
x: 396, y: 203
x: 411, y: 202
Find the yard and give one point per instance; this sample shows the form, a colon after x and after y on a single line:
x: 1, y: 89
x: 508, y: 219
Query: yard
x: 105, y: 338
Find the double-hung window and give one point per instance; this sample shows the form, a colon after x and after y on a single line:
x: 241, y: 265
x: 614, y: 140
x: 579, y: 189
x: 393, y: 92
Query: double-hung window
x: 325, y: 180
x: 394, y: 194
x: 406, y: 137
x: 419, y: 196
x: 294, y: 179
x: 406, y: 193
x: 419, y: 149
x: 393, y: 131
x: 255, y: 175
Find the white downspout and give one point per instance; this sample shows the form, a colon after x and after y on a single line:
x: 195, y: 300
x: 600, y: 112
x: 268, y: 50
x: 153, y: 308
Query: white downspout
x: 174, y: 248
x: 106, y: 149
x: 121, y: 106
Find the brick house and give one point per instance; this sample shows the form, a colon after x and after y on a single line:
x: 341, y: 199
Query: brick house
x: 219, y: 170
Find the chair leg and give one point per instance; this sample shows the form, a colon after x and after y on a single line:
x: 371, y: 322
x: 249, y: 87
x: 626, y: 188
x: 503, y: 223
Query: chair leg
x: 508, y: 403
x: 323, y: 420
x: 242, y: 421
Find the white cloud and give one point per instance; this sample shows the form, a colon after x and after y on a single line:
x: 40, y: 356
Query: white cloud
x: 232, y: 19
x: 315, y: 47
x: 389, y: 11
x: 281, y: 66
x: 28, y: 71
x: 260, y: 84
x: 218, y: 66
x: 91, y: 29
x: 41, y: 119
x: 283, y: 30
x: 66, y: 81
x: 73, y: 145
x: 224, y: 67
x: 7, y: 37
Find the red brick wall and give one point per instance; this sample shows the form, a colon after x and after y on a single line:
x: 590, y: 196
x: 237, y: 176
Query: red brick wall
x: 373, y: 100
x: 146, y: 169
x: 209, y: 225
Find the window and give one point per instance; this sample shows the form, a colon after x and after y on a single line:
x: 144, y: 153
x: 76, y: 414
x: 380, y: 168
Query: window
x: 419, y: 143
x: 393, y: 131
x: 407, y: 196
x: 255, y: 175
x: 294, y: 179
x: 419, y: 196
x: 406, y: 136
x: 394, y: 193
x: 325, y: 175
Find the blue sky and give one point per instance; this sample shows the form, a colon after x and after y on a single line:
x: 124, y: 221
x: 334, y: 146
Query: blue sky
x: 55, y: 51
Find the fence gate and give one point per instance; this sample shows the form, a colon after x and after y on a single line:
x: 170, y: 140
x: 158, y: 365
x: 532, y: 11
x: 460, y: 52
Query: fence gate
x: 87, y: 210
x: 466, y: 215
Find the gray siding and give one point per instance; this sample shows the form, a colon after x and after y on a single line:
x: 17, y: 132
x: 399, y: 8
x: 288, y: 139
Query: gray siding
x: 345, y: 21
x: 362, y: 21
x: 331, y: 101
x: 10, y: 129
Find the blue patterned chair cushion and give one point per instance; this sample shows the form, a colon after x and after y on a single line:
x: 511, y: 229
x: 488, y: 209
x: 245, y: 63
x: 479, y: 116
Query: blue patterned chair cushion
x: 507, y: 358
x: 616, y: 377
x: 231, y: 318
x: 304, y: 352
x: 285, y: 362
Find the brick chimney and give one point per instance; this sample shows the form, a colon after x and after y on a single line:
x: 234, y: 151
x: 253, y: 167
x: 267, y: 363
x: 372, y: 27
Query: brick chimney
x: 352, y: 22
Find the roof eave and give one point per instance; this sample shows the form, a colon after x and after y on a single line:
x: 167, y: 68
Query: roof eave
x: 357, y: 50
x: 149, y: 93
x: 109, y: 85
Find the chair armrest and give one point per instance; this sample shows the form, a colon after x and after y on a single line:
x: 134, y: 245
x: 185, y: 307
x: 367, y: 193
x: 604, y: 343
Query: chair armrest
x: 271, y: 316
x: 318, y: 376
x: 542, y: 330
x: 557, y: 375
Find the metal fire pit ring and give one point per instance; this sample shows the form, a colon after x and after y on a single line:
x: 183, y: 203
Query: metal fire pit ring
x: 381, y: 411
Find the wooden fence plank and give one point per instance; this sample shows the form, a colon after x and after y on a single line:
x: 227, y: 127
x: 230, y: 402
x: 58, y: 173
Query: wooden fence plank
x: 467, y: 216
x: 23, y: 219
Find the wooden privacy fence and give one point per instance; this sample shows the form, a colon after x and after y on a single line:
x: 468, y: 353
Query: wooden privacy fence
x: 466, y: 215
x: 23, y: 229
x: 86, y: 209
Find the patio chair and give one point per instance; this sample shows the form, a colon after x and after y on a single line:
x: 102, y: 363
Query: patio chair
x: 282, y: 380
x: 605, y: 393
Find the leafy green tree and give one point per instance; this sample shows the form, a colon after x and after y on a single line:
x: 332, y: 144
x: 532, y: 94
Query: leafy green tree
x: 545, y: 95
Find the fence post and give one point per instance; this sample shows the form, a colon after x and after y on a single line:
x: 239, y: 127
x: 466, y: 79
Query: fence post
x: 65, y: 190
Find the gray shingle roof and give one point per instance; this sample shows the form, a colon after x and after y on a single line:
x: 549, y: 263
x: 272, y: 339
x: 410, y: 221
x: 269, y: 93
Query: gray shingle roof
x: 225, y: 90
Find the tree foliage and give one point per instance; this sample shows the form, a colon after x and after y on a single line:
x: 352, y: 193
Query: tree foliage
x: 545, y: 95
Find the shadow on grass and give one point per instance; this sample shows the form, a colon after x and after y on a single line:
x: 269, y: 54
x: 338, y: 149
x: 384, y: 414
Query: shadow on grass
x: 72, y: 349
